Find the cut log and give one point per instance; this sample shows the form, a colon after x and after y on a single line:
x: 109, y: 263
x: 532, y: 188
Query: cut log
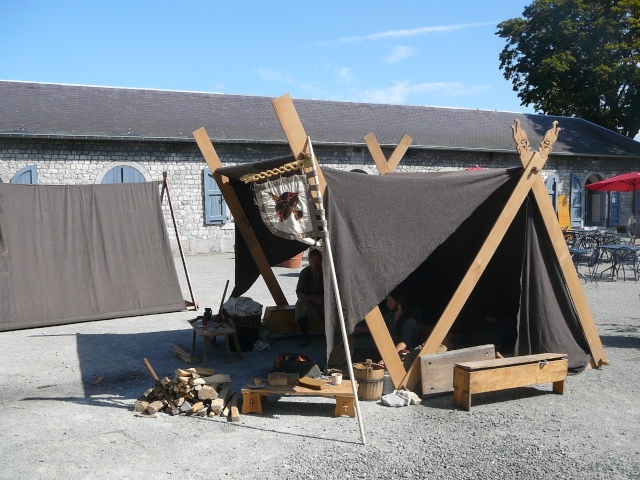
x: 217, y: 379
x: 309, y: 382
x: 140, y: 406
x: 155, y: 407
x: 277, y: 378
x: 216, y: 406
x: 185, y: 354
x: 202, y: 371
x: 197, y: 381
x: 196, y: 406
x: 207, y: 393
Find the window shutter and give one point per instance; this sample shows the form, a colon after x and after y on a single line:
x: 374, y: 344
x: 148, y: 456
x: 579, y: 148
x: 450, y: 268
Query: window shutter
x: 123, y: 174
x: 215, y: 208
x: 552, y: 188
x: 576, y: 201
x: 614, y: 209
x: 26, y: 176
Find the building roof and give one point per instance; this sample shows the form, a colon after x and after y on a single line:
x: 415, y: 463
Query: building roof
x: 34, y: 110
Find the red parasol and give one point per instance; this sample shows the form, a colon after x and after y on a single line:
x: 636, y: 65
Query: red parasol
x: 627, y: 182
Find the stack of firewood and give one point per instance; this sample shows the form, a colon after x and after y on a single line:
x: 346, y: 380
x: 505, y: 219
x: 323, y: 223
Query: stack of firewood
x: 196, y: 391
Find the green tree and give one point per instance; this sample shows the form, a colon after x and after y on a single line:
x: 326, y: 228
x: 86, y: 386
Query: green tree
x: 577, y: 58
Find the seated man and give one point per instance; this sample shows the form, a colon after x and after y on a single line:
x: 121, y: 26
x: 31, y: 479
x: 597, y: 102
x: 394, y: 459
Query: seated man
x: 310, y: 292
x: 401, y: 324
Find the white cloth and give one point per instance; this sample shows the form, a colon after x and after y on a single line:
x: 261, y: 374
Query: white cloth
x: 242, y: 307
x: 400, y: 398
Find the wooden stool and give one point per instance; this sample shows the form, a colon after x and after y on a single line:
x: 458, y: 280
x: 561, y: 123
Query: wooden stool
x: 482, y: 376
x: 211, y: 331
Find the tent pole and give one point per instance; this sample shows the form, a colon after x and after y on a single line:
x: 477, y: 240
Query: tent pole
x: 165, y: 187
x: 345, y: 340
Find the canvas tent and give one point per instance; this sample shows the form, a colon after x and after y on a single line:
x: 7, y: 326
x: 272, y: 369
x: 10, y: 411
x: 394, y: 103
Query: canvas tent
x: 470, y: 242
x: 83, y: 252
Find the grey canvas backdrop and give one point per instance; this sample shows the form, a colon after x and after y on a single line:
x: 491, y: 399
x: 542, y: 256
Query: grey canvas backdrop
x: 421, y: 231
x: 83, y: 252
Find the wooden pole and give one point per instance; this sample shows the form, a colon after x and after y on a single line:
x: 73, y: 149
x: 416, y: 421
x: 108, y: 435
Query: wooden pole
x: 478, y: 266
x: 165, y: 187
x: 242, y: 222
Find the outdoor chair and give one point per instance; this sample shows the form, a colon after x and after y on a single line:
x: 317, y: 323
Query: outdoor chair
x: 627, y: 261
x: 588, y: 259
x: 570, y: 238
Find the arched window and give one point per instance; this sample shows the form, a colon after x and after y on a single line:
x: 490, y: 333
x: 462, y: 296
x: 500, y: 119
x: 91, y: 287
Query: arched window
x: 123, y: 174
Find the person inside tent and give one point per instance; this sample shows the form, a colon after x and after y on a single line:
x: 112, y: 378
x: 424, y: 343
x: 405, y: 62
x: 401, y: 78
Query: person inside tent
x: 310, y: 293
x: 402, y: 326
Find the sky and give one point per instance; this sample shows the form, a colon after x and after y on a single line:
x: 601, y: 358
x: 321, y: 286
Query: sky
x: 403, y: 52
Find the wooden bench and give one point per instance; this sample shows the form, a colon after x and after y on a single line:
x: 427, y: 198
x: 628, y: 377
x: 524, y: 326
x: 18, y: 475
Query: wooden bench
x: 253, y: 398
x: 482, y: 376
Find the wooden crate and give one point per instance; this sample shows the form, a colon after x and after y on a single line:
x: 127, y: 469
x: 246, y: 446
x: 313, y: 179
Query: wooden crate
x: 470, y: 378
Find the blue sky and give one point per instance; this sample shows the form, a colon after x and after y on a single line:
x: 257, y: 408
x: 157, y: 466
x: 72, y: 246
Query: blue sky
x: 406, y: 52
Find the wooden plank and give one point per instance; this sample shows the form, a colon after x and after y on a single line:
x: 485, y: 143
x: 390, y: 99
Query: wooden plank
x: 478, y: 266
x: 294, y: 131
x: 399, y: 151
x: 185, y: 354
x: 557, y: 239
x: 376, y: 153
x: 384, y: 343
x: 242, y: 222
x: 510, y: 361
x: 342, y: 390
x: 437, y: 368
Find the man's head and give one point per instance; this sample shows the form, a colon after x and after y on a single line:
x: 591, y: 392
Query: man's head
x: 397, y: 301
x: 315, y: 260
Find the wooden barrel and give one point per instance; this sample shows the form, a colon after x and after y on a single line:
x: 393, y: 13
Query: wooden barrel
x: 370, y: 377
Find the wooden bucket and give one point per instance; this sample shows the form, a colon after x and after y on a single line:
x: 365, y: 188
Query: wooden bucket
x: 370, y: 377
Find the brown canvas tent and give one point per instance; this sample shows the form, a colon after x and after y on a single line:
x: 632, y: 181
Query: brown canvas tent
x: 83, y: 252
x: 468, y: 242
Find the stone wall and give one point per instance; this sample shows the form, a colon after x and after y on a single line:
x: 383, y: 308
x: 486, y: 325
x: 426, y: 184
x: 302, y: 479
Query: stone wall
x: 68, y: 162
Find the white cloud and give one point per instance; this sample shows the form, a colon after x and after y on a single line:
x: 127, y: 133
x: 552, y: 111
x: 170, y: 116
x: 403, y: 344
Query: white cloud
x: 345, y: 75
x: 413, y: 32
x: 399, y: 92
x: 272, y: 75
x: 400, y: 53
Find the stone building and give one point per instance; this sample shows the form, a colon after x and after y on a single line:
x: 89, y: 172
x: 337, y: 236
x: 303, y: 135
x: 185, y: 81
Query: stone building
x: 66, y: 134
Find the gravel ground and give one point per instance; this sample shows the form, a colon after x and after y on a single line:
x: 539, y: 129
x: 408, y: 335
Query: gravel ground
x: 57, y: 424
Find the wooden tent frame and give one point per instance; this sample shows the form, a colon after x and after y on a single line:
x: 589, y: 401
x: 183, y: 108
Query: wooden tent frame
x: 530, y: 180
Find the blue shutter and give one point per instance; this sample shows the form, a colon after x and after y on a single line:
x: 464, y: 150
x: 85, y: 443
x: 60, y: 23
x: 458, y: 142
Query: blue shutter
x: 614, y: 209
x: 552, y: 188
x: 215, y: 208
x: 26, y: 176
x: 123, y: 174
x: 576, y: 201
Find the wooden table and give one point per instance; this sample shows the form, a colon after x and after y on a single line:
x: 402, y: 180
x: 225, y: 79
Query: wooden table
x: 253, y: 398
x: 212, y: 330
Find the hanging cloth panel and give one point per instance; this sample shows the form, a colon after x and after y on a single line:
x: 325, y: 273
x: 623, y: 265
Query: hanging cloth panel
x: 548, y: 321
x: 83, y: 252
